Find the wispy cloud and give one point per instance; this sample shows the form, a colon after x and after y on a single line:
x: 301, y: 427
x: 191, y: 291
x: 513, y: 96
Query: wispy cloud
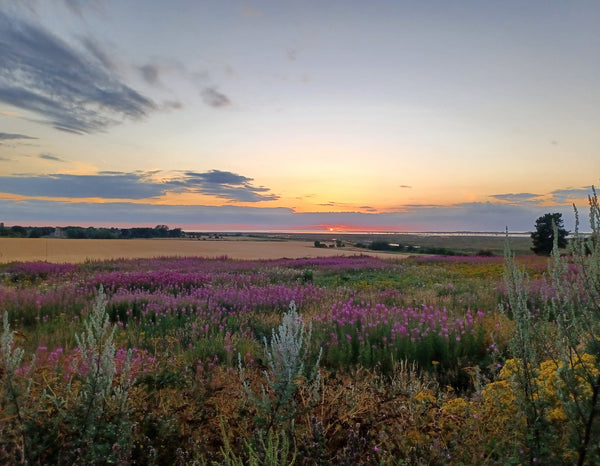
x: 214, y: 98
x: 42, y: 74
x: 78, y: 7
x: 137, y: 185
x: 151, y: 73
x: 568, y: 195
x: 107, y: 186
x: 52, y: 158
x: 13, y: 136
x: 171, y: 105
x: 338, y: 205
x: 368, y: 208
x: 516, y: 198
x: 225, y: 185
x: 218, y: 177
x: 101, y: 55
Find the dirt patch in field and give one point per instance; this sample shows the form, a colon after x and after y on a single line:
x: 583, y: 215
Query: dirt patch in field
x: 80, y: 250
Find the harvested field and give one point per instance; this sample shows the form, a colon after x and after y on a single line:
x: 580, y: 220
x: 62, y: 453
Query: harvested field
x: 79, y: 250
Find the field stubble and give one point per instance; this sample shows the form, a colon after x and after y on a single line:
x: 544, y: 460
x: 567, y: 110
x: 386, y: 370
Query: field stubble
x: 59, y: 250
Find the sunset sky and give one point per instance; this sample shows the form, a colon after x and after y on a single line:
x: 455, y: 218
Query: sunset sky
x: 301, y: 114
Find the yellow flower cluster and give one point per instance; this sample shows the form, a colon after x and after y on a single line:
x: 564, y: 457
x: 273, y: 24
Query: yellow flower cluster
x: 498, y: 413
x: 454, y: 413
x: 425, y: 396
x: 510, y: 369
x: 455, y: 407
x: 499, y: 394
x: 553, y: 385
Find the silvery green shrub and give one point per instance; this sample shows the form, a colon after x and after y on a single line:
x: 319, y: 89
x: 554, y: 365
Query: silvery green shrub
x: 566, y: 331
x: 14, y: 395
x: 287, y: 356
x: 99, y: 422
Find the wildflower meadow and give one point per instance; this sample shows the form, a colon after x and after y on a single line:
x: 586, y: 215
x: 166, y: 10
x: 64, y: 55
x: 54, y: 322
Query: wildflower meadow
x: 333, y: 360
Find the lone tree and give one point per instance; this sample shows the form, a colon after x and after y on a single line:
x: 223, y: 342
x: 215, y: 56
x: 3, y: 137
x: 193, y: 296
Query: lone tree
x: 543, y: 236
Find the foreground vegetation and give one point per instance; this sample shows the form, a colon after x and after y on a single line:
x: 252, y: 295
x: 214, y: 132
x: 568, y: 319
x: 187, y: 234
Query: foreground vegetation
x: 346, y: 360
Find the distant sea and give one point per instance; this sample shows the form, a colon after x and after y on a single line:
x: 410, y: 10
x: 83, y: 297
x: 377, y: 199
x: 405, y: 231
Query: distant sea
x: 514, y: 234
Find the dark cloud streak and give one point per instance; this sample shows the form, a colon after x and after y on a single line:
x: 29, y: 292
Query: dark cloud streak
x: 52, y: 158
x: 42, y: 74
x: 225, y: 185
x: 13, y: 136
x: 171, y: 105
x: 219, y: 177
x: 214, y: 98
x: 122, y: 186
x: 139, y: 185
x: 150, y: 73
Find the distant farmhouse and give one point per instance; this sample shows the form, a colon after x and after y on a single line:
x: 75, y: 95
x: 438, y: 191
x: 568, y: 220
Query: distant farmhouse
x: 57, y: 233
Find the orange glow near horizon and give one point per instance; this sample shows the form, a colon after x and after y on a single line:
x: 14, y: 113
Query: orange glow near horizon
x: 346, y: 228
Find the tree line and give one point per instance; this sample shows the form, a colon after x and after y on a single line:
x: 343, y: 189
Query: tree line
x: 380, y: 245
x: 76, y: 232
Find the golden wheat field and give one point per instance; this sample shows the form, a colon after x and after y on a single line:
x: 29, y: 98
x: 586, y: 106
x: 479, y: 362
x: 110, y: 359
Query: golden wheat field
x: 80, y: 250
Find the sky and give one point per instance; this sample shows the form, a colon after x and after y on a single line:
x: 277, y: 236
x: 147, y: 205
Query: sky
x: 305, y: 115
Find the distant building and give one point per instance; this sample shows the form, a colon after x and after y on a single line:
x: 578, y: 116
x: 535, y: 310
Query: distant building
x: 58, y: 233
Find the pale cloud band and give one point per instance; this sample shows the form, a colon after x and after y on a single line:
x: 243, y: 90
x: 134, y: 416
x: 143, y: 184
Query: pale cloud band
x: 568, y: 195
x: 516, y: 198
x: 558, y: 196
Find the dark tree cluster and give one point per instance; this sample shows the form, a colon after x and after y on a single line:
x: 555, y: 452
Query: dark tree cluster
x: 75, y: 232
x: 380, y: 245
x: 337, y: 243
x: 543, y: 236
x: 18, y: 231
